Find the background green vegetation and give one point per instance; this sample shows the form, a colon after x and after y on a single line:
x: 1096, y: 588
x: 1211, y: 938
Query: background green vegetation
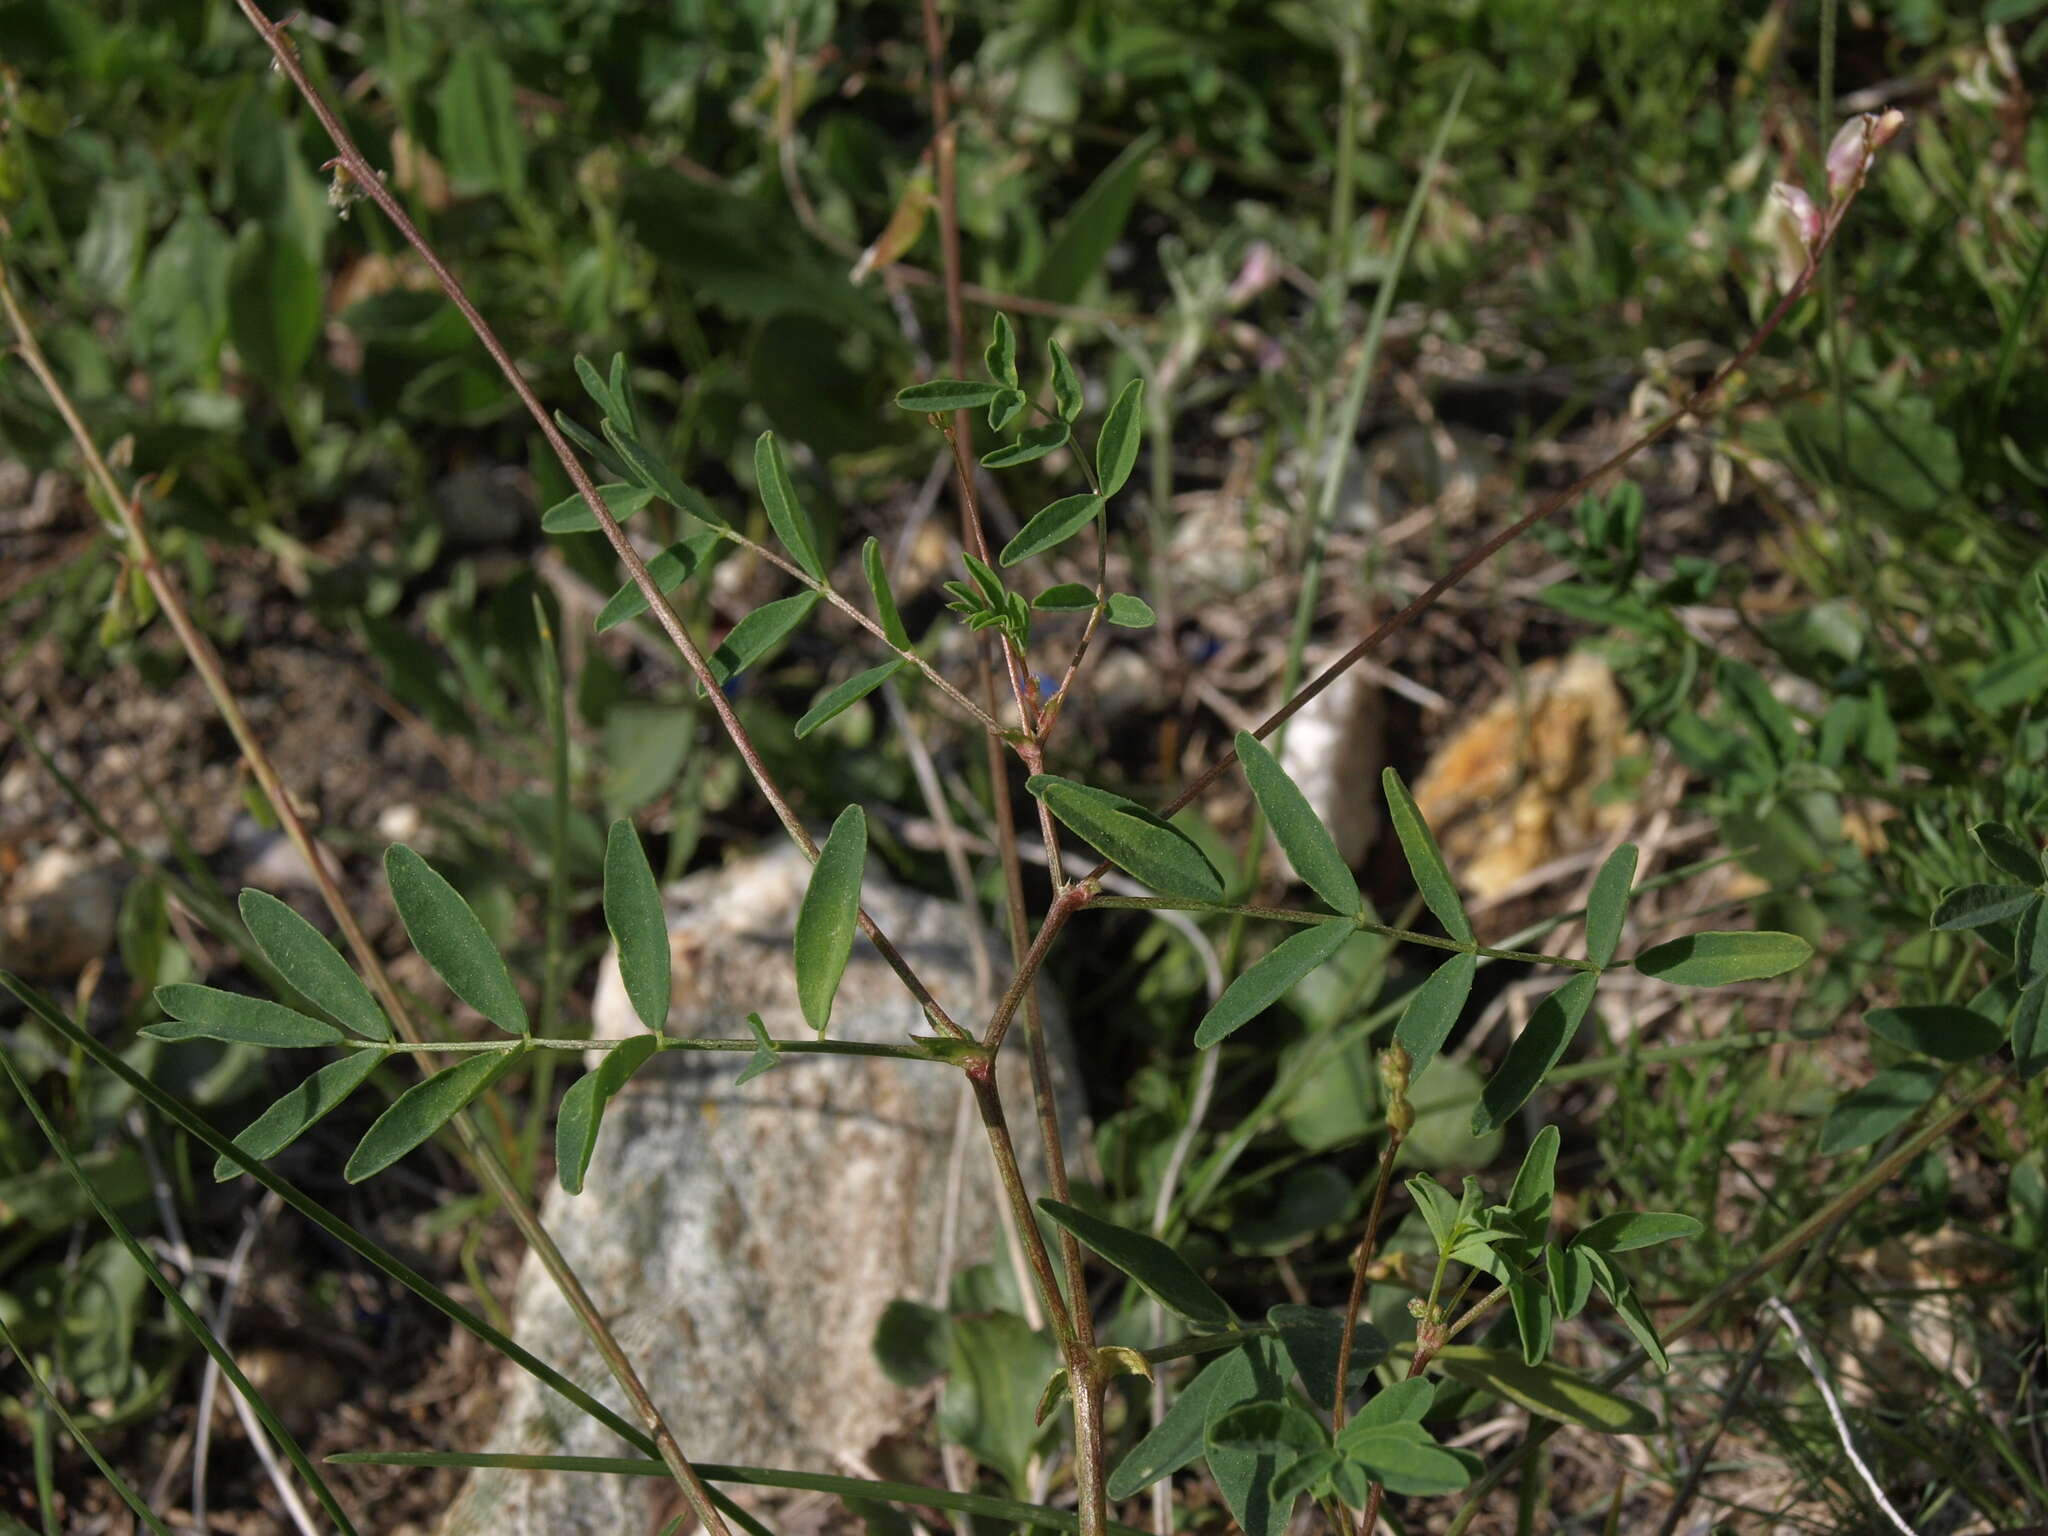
x: 690, y: 183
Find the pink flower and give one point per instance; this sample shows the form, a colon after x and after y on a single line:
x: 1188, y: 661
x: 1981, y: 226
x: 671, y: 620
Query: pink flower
x: 1856, y: 145
x: 1805, y: 216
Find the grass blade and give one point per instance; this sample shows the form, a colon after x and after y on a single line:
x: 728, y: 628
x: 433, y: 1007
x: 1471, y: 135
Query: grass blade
x: 174, y: 1111
x: 187, y: 1318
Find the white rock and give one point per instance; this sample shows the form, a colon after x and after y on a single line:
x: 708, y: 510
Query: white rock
x: 59, y: 914
x: 1334, y: 750
x: 742, y: 1241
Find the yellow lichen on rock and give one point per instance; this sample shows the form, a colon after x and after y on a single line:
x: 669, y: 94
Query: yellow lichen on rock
x: 1516, y: 786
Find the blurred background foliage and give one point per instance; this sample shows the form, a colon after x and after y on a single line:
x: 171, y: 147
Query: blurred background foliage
x: 695, y: 182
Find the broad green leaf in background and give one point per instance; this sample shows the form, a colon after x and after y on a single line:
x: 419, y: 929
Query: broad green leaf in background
x: 1945, y: 1033
x: 1269, y: 979
x: 840, y: 697
x: 1299, y: 1476
x: 1082, y: 242
x: 912, y: 1342
x: 639, y: 927
x: 1535, y: 1051
x: 573, y: 515
x: 1607, y: 907
x: 422, y: 1110
x: 1550, y: 1391
x: 1159, y: 1270
x: 1116, y: 449
x: 1433, y: 1009
x: 830, y: 916
x: 1273, y: 1427
x: 1978, y: 906
x: 1624, y: 1231
x: 582, y: 1112
x: 1066, y: 386
x: 1879, y: 1107
x: 1425, y: 860
x: 759, y: 633
x: 1131, y: 837
x: 1032, y: 444
x: 938, y: 396
x: 990, y: 1401
x: 1312, y: 1337
x: 313, y: 966
x: 206, y: 1013
x: 1127, y: 611
x: 451, y: 939
x: 300, y: 1110
x: 1052, y: 526
x: 1246, y: 1477
x: 778, y: 496
x: 668, y: 570
x: 877, y: 572
x: 1720, y: 959
x: 2005, y: 848
x: 479, y: 125
x: 273, y: 306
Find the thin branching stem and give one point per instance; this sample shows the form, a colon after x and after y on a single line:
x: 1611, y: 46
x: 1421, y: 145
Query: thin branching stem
x: 1363, y: 925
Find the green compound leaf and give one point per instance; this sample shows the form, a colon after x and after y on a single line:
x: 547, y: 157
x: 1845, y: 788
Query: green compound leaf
x: 1401, y: 1402
x: 1945, y: 1033
x: 830, y: 916
x: 573, y: 515
x: 1270, y: 979
x: 1607, y: 907
x: 1032, y: 443
x: 1535, y: 1051
x: 1978, y: 906
x: 583, y: 1106
x: 450, y: 938
x: 1161, y: 1272
x: 1270, y: 1428
x: 1129, y: 612
x: 206, y: 1013
x: 1721, y: 959
x: 1116, y: 450
x: 937, y: 396
x: 1051, y: 527
x: 877, y: 572
x: 759, y: 633
x: 1131, y: 837
x: 1433, y: 1009
x: 422, y: 1110
x: 639, y: 927
x: 1626, y: 1230
x: 778, y: 496
x: 1006, y: 408
x: 1066, y: 386
x: 313, y: 966
x: 1302, y: 835
x: 668, y: 570
x: 1407, y: 1460
x: 841, y: 697
x: 299, y: 1110
x: 1177, y: 1439
x: 1425, y: 859
x: 1879, y: 1107
x: 1549, y: 1391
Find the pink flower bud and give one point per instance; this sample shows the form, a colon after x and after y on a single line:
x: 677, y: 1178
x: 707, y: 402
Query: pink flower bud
x: 1805, y: 216
x: 1856, y: 145
x: 1261, y: 270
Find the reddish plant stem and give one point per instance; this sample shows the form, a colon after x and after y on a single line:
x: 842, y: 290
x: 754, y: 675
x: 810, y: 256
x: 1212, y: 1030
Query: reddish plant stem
x: 1361, y: 1261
